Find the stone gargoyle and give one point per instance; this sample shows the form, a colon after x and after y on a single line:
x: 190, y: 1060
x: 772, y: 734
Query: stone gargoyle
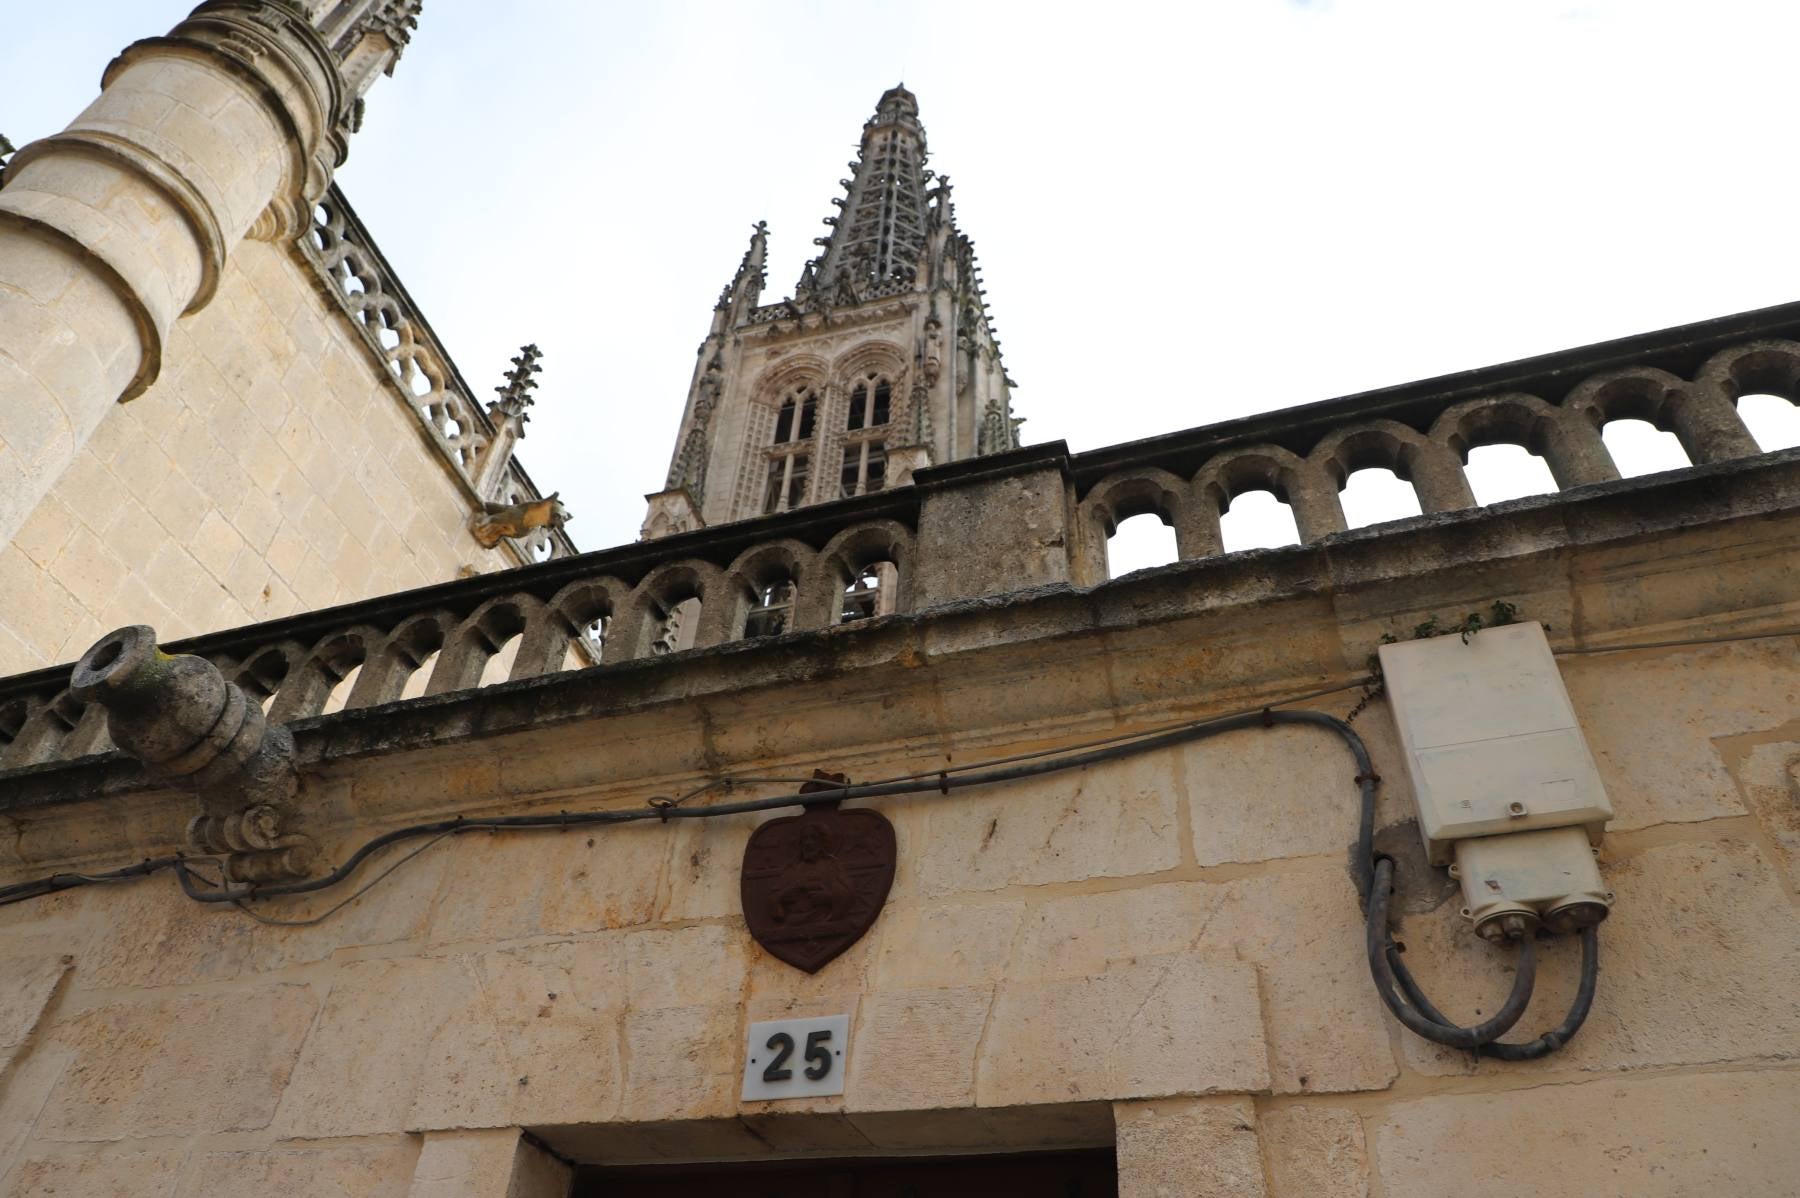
x: 497, y: 520
x: 188, y: 726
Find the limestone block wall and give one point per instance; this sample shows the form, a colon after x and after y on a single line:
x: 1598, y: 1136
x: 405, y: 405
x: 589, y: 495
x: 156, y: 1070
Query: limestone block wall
x: 273, y: 468
x: 1163, y: 953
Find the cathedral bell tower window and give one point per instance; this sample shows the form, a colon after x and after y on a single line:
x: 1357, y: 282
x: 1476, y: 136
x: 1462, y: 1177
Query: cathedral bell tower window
x: 865, y: 468
x: 789, y: 458
x: 870, y: 402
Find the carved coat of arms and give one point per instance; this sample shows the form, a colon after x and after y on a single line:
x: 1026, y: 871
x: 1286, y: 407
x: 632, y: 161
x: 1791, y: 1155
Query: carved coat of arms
x: 814, y: 883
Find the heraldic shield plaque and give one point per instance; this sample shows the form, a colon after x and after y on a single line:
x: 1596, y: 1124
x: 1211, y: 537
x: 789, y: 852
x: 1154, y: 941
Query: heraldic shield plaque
x: 814, y: 883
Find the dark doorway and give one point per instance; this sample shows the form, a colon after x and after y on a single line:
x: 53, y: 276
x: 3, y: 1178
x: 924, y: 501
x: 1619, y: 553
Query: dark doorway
x: 1087, y: 1174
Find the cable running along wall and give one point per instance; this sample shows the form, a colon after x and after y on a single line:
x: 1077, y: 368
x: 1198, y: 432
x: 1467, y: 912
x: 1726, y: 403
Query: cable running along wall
x: 1372, y: 872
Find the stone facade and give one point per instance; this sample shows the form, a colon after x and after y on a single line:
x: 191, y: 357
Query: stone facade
x: 272, y: 456
x: 1157, y: 949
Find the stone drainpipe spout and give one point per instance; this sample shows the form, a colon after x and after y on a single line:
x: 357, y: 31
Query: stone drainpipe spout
x: 180, y: 718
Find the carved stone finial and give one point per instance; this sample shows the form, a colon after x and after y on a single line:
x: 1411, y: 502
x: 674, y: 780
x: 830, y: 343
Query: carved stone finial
x: 369, y: 36
x: 180, y: 718
x: 996, y: 432
x: 515, y: 392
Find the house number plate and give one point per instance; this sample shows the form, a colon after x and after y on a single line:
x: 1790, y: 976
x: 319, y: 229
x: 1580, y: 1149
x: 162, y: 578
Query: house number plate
x: 797, y: 1058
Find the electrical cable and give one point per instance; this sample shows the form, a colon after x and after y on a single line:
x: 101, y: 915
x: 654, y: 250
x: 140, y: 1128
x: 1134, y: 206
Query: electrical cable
x: 1373, y: 873
x: 259, y: 917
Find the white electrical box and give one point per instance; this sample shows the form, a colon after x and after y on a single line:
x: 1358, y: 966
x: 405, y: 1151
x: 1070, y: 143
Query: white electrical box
x: 1490, y: 738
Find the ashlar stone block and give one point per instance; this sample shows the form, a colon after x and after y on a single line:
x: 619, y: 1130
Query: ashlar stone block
x: 1186, y: 1023
x: 1652, y: 1137
x: 200, y: 1063
x: 1188, y: 1148
x: 1314, y: 1151
x: 378, y: 1169
x: 1108, y: 821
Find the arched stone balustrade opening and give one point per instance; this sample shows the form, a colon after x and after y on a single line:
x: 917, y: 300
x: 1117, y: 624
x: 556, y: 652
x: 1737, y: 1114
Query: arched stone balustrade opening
x: 481, y: 650
x: 1507, y: 470
x: 1258, y: 519
x: 583, y: 621
x: 864, y: 572
x: 670, y: 607
x: 1568, y: 444
x: 417, y: 680
x: 1159, y: 519
x: 324, y: 680
x: 401, y: 666
x: 499, y: 664
x: 1376, y: 495
x: 1773, y: 420
x: 1140, y: 542
x: 1639, y: 447
x: 339, y: 698
x: 765, y: 588
x: 1383, y: 470
x: 262, y: 675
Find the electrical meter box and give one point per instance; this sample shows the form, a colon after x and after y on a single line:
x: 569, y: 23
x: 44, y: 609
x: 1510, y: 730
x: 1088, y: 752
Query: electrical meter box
x: 1490, y: 738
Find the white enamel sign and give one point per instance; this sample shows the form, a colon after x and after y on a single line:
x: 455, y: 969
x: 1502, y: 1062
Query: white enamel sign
x: 797, y: 1058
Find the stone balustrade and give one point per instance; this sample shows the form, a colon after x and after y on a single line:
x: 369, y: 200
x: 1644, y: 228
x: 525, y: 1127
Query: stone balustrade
x: 370, y: 293
x: 1029, y: 518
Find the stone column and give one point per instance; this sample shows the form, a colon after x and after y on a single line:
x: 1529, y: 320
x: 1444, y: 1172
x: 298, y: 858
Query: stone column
x: 112, y: 229
x: 496, y: 1163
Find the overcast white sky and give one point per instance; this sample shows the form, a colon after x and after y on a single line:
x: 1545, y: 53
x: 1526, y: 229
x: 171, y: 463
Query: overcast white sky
x: 1185, y: 212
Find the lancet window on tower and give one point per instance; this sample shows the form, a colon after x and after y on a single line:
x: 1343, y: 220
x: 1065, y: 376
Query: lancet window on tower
x: 790, y: 459
x: 870, y: 402
x: 865, y: 468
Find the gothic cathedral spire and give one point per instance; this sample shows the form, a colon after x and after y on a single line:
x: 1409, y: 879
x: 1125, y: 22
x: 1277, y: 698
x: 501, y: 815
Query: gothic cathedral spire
x: 884, y: 361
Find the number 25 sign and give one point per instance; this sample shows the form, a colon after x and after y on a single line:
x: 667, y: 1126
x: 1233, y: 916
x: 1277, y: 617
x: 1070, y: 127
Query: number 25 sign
x: 796, y: 1058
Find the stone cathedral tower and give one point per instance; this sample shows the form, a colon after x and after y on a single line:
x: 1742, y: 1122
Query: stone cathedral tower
x: 884, y: 360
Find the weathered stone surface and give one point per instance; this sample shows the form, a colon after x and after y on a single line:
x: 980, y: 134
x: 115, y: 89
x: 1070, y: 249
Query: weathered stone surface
x: 1103, y: 822
x: 557, y: 883
x: 1326, y: 1027
x: 684, y: 1062
x: 143, y: 1171
x: 204, y: 1062
x: 1654, y: 1137
x: 171, y: 940
x: 1189, y: 1148
x: 1769, y: 776
x: 1694, y: 969
x: 1238, y: 815
x: 917, y: 1049
x: 26, y: 984
x: 23, y: 1092
x: 1084, y: 935
x: 1302, y: 931
x: 1314, y: 1151
x: 945, y: 945
x: 362, y: 1064
x: 1651, y: 720
x: 486, y: 1164
x: 1186, y: 1023
x: 370, y: 1170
